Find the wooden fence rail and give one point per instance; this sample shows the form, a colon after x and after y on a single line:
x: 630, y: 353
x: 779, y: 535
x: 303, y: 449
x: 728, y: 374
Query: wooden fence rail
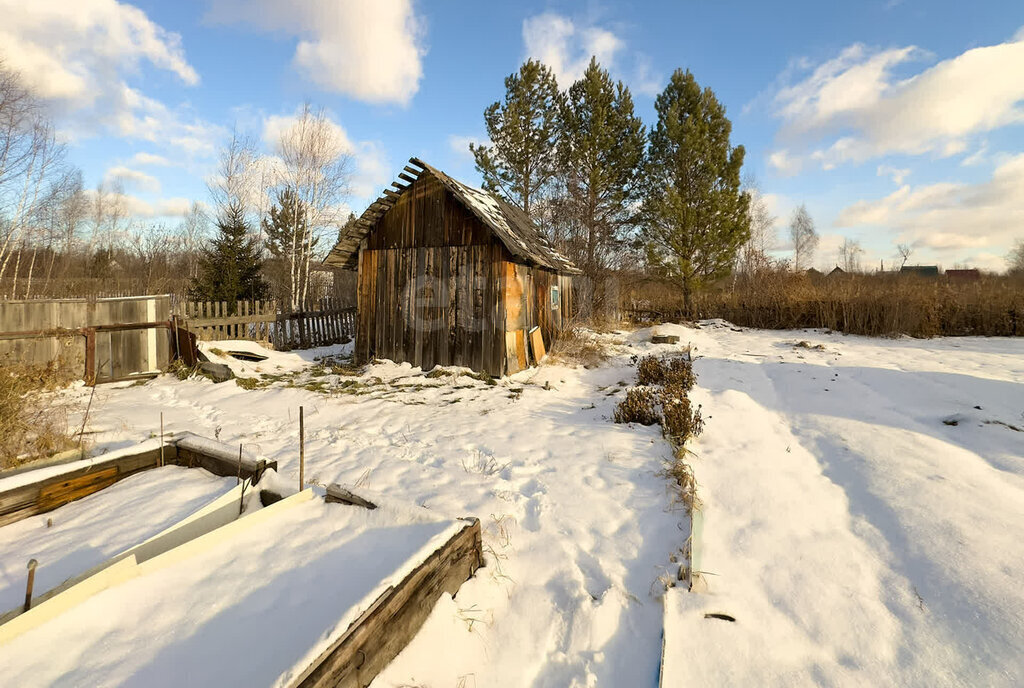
x: 261, y: 321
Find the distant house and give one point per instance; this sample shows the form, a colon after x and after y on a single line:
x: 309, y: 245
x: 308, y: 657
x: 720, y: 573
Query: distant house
x: 836, y: 272
x: 920, y: 270
x: 965, y: 275
x: 453, y: 275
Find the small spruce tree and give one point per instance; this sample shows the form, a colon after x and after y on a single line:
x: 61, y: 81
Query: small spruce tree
x: 230, y: 265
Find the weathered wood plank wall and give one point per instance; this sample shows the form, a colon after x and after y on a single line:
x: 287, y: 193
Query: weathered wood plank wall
x: 118, y: 354
x: 436, y: 287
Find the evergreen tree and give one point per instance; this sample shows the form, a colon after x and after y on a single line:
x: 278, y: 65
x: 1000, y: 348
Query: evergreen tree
x: 601, y: 148
x: 289, y: 240
x: 524, y: 136
x: 285, y: 229
x: 343, y: 229
x: 695, y: 214
x: 229, y: 268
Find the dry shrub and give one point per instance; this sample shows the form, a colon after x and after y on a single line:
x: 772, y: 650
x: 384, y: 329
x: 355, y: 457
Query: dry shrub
x: 577, y: 346
x: 662, y: 398
x: 877, y: 305
x: 641, y: 405
x: 33, y: 422
x: 680, y: 421
x: 665, y: 370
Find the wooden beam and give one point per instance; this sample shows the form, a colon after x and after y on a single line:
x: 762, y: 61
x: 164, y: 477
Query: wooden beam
x: 392, y: 621
x: 412, y: 170
x: 54, y: 491
x: 400, y: 187
x: 418, y: 162
x: 391, y: 194
x: 403, y: 176
x: 337, y: 493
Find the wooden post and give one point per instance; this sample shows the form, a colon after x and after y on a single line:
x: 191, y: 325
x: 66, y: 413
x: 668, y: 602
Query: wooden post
x: 32, y: 563
x: 161, y: 439
x: 241, y: 497
x: 90, y: 356
x: 302, y: 451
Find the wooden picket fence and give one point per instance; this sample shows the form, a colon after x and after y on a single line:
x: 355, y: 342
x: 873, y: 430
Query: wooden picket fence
x: 261, y: 321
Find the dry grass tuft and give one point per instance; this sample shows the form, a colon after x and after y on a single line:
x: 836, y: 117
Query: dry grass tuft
x: 681, y: 473
x: 576, y: 346
x: 33, y: 422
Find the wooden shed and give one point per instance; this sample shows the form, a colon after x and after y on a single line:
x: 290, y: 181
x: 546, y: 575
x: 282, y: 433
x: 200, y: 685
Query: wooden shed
x: 452, y: 275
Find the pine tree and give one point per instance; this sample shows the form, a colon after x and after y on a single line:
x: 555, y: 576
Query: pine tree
x: 695, y: 213
x: 524, y: 136
x: 601, y: 149
x: 230, y: 266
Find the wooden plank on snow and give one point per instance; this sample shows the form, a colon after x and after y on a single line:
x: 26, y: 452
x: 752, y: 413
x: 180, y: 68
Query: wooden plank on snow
x: 537, y: 344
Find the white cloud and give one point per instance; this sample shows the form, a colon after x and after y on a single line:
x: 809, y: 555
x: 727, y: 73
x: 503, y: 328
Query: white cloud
x: 460, y: 143
x: 950, y: 218
x: 784, y: 162
x: 977, y: 157
x: 369, y: 50
x: 645, y: 80
x: 136, y: 208
x: 897, y: 174
x: 135, y: 178
x: 873, y: 112
x: 66, y: 51
x: 566, y: 48
x: 79, y: 57
x: 143, y: 158
x: 370, y: 169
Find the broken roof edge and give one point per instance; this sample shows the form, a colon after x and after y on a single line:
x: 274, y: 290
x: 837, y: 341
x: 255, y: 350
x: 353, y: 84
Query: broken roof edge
x: 513, y: 228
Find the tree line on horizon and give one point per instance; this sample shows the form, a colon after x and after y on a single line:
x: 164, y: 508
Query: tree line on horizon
x: 616, y: 196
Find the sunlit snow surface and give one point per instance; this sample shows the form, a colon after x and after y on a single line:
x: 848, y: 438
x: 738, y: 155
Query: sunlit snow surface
x: 856, y: 537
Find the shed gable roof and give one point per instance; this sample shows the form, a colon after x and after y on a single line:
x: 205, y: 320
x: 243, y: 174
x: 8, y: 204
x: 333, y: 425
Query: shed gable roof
x: 511, y: 225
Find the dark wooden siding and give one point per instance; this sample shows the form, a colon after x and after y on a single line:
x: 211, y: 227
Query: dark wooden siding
x: 432, y: 306
x: 427, y: 215
x: 434, y: 287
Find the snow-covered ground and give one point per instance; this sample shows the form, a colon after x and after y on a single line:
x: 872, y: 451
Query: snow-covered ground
x: 864, y: 512
x: 856, y: 537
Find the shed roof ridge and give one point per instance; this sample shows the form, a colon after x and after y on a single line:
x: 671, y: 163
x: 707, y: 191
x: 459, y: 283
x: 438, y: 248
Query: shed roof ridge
x: 516, y: 231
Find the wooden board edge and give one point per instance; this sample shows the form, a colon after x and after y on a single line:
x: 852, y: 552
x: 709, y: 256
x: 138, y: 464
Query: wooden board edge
x: 39, y: 497
x: 394, y: 619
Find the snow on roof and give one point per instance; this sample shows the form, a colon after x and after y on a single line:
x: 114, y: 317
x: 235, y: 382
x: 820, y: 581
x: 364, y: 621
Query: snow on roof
x: 510, y: 224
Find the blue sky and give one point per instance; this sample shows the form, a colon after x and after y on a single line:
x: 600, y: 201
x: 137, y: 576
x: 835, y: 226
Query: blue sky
x: 894, y: 121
